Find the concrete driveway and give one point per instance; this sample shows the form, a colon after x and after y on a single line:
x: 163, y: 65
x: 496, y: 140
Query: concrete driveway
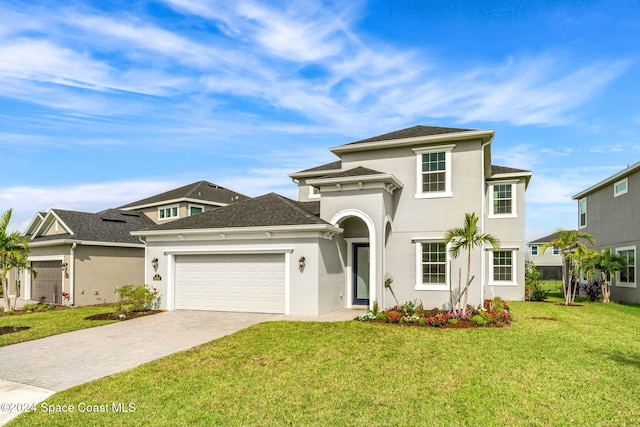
x: 34, y: 370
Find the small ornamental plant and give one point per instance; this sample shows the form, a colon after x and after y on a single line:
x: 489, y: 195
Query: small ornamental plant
x: 412, y: 313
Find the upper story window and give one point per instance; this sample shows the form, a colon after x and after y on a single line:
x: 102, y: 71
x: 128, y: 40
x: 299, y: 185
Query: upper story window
x: 433, y: 171
x: 627, y: 277
x: 168, y: 212
x: 556, y: 251
x: 582, y: 212
x: 195, y: 209
x: 314, y: 192
x: 503, y: 195
x: 621, y: 187
x: 534, y: 250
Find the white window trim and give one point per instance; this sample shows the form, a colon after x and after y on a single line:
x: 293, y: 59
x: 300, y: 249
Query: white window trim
x: 626, y: 188
x: 581, y: 226
x: 312, y: 195
x: 168, y: 207
x: 537, y: 250
x: 619, y: 283
x: 514, y: 213
x: 192, y: 205
x: 447, y: 175
x: 555, y: 251
x: 514, y: 272
x: 430, y: 287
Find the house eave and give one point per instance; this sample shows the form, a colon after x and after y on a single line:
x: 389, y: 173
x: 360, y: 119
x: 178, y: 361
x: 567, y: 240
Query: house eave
x: 613, y: 178
x: 280, y: 231
x: 59, y: 242
x: 173, y: 201
x: 514, y: 175
x: 299, y: 175
x: 483, y: 135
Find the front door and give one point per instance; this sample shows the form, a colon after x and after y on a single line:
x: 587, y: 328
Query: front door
x: 361, y: 274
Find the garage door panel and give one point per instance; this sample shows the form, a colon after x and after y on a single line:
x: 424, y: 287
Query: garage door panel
x: 250, y: 283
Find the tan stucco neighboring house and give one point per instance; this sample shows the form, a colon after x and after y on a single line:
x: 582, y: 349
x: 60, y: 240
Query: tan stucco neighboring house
x: 380, y: 210
x: 88, y: 255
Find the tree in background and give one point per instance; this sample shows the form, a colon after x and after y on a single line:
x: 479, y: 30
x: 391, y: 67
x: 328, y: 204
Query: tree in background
x: 569, y: 242
x: 607, y: 264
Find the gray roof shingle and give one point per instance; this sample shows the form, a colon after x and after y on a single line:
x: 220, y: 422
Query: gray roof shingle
x: 268, y: 210
x: 495, y: 170
x: 201, y: 190
x: 111, y: 225
x: 357, y: 171
x: 412, y: 132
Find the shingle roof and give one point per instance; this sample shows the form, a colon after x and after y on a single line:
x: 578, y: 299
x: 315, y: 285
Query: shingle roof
x: 412, y: 132
x: 110, y: 225
x: 201, y: 190
x: 495, y: 170
x: 269, y: 210
x: 546, y: 239
x: 357, y: 171
x: 329, y: 166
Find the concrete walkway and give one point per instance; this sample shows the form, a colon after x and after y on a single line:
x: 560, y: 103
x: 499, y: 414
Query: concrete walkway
x: 42, y: 367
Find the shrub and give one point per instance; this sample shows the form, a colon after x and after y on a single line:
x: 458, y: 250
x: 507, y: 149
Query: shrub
x: 29, y: 307
x: 593, y: 290
x: 135, y: 298
x: 533, y: 290
x: 408, y: 308
x: 479, y: 320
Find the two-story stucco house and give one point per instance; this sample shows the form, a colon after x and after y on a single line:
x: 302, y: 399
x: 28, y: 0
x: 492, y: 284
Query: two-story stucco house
x: 549, y: 263
x: 382, y: 209
x: 87, y: 255
x: 608, y: 211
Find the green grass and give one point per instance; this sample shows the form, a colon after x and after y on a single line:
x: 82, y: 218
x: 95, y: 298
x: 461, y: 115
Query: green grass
x: 581, y: 369
x: 51, y: 322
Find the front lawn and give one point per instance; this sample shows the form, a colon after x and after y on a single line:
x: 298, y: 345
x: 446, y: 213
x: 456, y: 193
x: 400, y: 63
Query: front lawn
x: 50, y: 323
x: 554, y: 366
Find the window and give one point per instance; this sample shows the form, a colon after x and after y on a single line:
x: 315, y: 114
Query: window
x: 502, y: 199
x: 621, y: 187
x: 627, y: 277
x: 195, y: 209
x: 434, y: 172
x: 431, y: 266
x: 314, y: 192
x: 582, y: 212
x: 534, y: 250
x: 168, y: 212
x: 556, y: 251
x: 502, y: 266
x: 503, y: 195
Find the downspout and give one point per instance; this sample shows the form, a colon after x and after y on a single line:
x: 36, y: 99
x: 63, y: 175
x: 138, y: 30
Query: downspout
x: 482, y: 224
x: 72, y: 276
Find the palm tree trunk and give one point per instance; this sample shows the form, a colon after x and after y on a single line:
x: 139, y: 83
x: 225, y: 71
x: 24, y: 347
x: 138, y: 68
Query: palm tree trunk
x: 466, y: 288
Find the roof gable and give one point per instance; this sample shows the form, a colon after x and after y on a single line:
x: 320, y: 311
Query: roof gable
x: 108, y: 226
x: 201, y: 191
x: 268, y: 210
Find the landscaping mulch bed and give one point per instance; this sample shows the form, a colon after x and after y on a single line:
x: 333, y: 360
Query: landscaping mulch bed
x: 21, y: 312
x: 127, y: 316
x: 12, y: 329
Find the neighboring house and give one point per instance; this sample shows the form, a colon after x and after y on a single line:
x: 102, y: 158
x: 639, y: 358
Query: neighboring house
x: 88, y: 255
x: 382, y: 209
x: 549, y: 263
x: 608, y: 211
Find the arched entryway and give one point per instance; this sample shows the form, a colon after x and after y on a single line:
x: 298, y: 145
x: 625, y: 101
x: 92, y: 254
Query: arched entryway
x: 359, y: 237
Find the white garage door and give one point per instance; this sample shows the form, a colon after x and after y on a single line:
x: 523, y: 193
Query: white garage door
x: 247, y: 283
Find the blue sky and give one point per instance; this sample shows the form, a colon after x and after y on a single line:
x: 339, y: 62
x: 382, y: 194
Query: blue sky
x: 103, y: 103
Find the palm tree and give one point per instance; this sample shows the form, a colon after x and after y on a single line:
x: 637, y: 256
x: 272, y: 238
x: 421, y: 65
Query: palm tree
x: 467, y: 237
x: 607, y: 264
x: 14, y: 250
x: 568, y: 242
